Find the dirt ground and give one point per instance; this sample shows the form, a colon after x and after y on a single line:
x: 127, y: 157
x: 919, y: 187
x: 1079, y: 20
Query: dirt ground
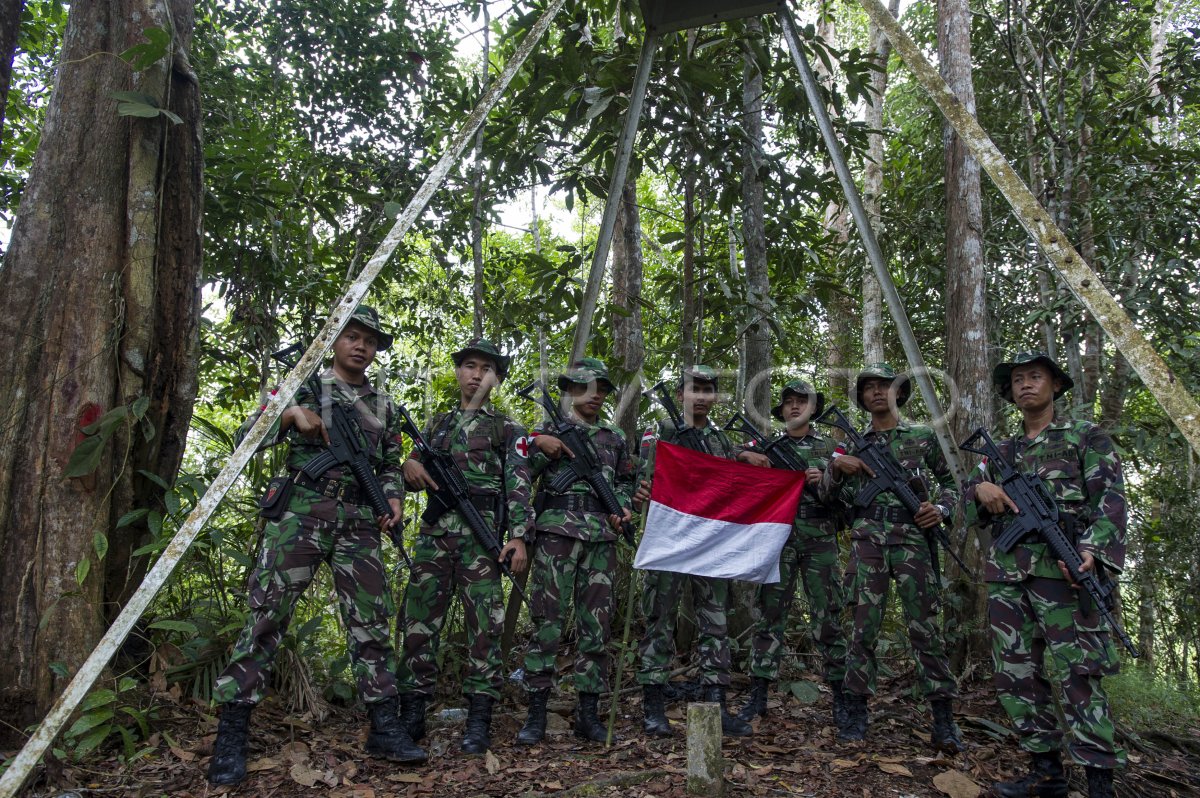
x: 793, y: 752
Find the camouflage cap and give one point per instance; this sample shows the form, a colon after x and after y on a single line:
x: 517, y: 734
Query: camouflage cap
x: 882, y: 371
x: 369, y: 318
x: 1002, y: 374
x: 585, y: 371
x: 799, y: 388
x: 482, y: 346
x: 698, y: 374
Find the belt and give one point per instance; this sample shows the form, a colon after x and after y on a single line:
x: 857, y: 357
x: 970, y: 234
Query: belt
x: 813, y: 512
x: 880, y: 512
x: 335, y: 488
x: 574, y: 503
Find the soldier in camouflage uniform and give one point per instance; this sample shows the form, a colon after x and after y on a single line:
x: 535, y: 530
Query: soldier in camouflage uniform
x: 1033, y: 608
x: 887, y: 543
x: 696, y: 395
x: 324, y: 520
x: 809, y: 556
x: 492, y: 451
x: 575, y: 556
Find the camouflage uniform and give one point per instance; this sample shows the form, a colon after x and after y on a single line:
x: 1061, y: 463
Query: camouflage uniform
x: 1032, y: 609
x: 575, y: 558
x: 318, y: 528
x: 887, y: 545
x: 810, y: 554
x: 492, y: 452
x: 663, y: 589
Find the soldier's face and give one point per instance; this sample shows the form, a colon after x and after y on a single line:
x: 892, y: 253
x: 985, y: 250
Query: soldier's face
x: 877, y: 395
x: 587, y: 399
x: 1033, y: 386
x: 798, y: 408
x: 476, y: 376
x: 698, y: 398
x: 354, y: 350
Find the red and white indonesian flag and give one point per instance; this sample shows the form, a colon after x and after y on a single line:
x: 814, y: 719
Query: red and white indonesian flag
x: 714, y: 517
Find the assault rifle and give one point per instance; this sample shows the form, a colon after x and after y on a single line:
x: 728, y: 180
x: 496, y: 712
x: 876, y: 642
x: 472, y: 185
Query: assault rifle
x: 453, y: 493
x: 585, y: 465
x: 345, y: 448
x: 684, y: 435
x: 890, y: 477
x: 1039, y: 516
x: 779, y: 455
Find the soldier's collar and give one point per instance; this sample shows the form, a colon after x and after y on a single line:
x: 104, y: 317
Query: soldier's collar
x: 485, y: 409
x: 365, y: 388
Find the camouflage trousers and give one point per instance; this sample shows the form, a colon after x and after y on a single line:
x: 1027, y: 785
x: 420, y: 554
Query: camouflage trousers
x: 815, y: 560
x: 567, y: 570
x: 442, y: 563
x: 874, y: 567
x: 292, y: 550
x: 1041, y: 616
x: 660, y: 607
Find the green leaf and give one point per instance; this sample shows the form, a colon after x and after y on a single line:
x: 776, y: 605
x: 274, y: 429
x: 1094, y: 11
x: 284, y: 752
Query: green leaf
x: 89, y: 721
x: 143, y: 54
x: 140, y: 406
x: 187, y: 627
x: 127, y: 683
x: 81, y: 570
x: 89, y: 743
x: 59, y: 669
x: 155, y: 478
x: 392, y: 209
x: 155, y: 521
x: 86, y: 457
x: 131, y: 516
x: 97, y: 698
x: 171, y: 499
x: 100, y: 544
x: 138, y: 109
x: 805, y: 691
x: 108, y: 422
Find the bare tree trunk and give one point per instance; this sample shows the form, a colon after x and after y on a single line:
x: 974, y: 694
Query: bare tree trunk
x: 10, y: 27
x: 687, y: 348
x: 754, y: 246
x: 629, y: 349
x: 872, y: 293
x: 477, y: 187
x: 966, y: 306
x: 99, y: 308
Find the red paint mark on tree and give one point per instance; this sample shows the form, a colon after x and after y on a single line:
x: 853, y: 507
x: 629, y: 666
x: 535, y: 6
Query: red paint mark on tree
x: 88, y: 415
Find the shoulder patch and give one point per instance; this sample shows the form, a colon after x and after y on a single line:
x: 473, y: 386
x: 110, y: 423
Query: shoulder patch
x: 522, y: 445
x: 648, y: 434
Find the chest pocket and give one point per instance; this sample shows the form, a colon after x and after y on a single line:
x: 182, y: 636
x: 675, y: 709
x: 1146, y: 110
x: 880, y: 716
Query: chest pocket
x: 608, y: 448
x: 371, y: 425
x: 479, y: 457
x: 1064, y: 478
x: 911, y: 455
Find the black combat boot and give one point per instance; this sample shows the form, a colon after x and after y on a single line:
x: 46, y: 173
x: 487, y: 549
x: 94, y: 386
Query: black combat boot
x: 587, y: 721
x: 534, y: 730
x: 1100, y: 782
x: 654, y: 711
x: 228, y: 764
x: 756, y: 705
x: 857, y: 716
x: 412, y: 714
x: 945, y: 735
x: 388, y: 738
x: 477, y: 739
x: 1045, y: 779
x: 840, y: 709
x: 730, y: 724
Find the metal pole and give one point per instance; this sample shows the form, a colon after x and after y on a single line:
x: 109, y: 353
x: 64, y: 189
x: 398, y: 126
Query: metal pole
x: 591, y: 294
x: 25, y: 760
x: 912, y: 351
x: 1085, y: 284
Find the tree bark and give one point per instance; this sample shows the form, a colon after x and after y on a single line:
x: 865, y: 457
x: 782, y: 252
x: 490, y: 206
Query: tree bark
x: 477, y: 188
x: 754, y: 246
x: 629, y: 349
x: 10, y: 28
x: 872, y: 293
x: 100, y: 308
x: 966, y: 304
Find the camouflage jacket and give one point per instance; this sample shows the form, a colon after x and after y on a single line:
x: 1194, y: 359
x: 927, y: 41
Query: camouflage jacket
x: 492, y: 451
x: 1078, y: 464
x: 916, y: 449
x: 609, y: 442
x: 377, y: 420
x: 814, y: 450
x: 718, y: 444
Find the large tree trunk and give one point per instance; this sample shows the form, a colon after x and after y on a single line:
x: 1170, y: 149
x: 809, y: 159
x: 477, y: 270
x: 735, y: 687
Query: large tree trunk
x: 99, y: 308
x: 10, y: 27
x: 872, y: 292
x: 966, y: 304
x: 629, y: 348
x: 754, y: 245
x: 477, y: 191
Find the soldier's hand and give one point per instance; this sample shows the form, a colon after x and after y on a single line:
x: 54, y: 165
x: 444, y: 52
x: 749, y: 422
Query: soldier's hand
x: 992, y: 498
x: 514, y: 554
x: 1089, y: 562
x: 615, y: 521
x: 306, y: 422
x: 927, y: 515
x: 812, y: 476
x: 386, y: 522
x: 642, y: 495
x: 755, y: 459
x: 553, y: 447
x: 848, y: 465
x: 416, y: 477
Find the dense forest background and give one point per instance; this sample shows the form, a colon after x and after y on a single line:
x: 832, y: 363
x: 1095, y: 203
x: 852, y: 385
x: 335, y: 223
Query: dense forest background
x: 186, y: 188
